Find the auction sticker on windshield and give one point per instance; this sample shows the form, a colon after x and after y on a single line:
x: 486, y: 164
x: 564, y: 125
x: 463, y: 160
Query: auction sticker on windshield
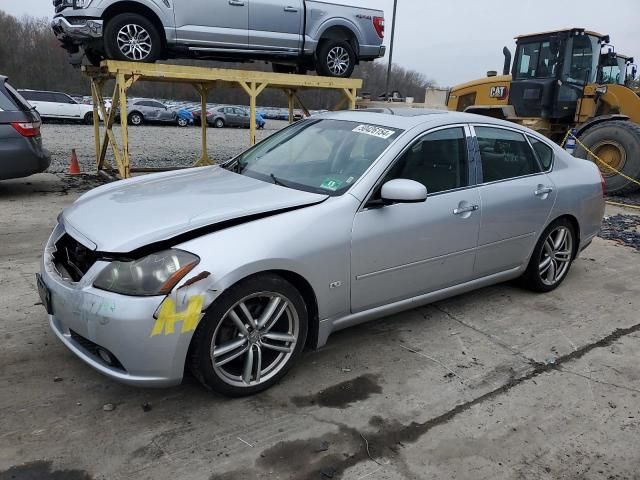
x: 374, y: 131
x: 331, y: 184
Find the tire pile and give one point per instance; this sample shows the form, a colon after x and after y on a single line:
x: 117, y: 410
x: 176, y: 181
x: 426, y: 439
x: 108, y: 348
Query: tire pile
x: 624, y: 229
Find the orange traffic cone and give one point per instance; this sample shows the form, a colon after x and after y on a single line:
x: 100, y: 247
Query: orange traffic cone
x: 74, y: 166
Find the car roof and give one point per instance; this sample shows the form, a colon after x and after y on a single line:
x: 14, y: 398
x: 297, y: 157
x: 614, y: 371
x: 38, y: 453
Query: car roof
x: 40, y: 91
x: 407, y: 118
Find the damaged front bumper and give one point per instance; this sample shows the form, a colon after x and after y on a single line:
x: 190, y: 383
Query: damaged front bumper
x: 120, y: 336
x: 77, y: 30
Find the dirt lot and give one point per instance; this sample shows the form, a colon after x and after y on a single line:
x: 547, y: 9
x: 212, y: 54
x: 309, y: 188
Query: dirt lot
x: 499, y: 383
x: 149, y: 145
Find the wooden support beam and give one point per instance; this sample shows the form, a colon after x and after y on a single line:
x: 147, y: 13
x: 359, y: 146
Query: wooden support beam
x: 302, y: 105
x: 292, y: 104
x: 203, y: 90
x: 96, y: 86
x: 124, y: 163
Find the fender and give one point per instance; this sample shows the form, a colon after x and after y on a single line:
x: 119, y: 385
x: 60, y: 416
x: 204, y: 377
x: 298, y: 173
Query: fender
x: 597, y: 120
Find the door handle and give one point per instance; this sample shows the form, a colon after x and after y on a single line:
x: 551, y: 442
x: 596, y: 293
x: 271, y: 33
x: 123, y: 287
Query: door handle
x: 291, y: 9
x: 236, y: 3
x: 470, y: 208
x: 543, y: 191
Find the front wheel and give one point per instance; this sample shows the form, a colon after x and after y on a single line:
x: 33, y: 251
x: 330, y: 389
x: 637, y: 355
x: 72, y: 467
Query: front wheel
x: 132, y: 37
x: 251, y: 336
x: 552, y: 257
x: 88, y: 118
x: 336, y: 59
x: 183, y: 122
x: 218, y: 123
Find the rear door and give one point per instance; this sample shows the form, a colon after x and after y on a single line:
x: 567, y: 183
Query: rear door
x: 219, y: 24
x: 516, y: 195
x: 41, y: 101
x: 276, y: 25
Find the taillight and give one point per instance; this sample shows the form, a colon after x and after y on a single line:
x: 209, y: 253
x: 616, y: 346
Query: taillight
x: 378, y: 23
x: 27, y: 129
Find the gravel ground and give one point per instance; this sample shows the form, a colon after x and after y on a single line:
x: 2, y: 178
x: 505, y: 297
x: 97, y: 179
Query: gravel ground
x: 624, y: 229
x: 149, y: 146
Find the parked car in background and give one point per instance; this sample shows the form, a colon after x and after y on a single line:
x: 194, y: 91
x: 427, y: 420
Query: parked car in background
x: 336, y: 220
x: 58, y: 105
x: 152, y: 111
x: 21, y: 151
x: 227, y: 116
x: 296, y: 35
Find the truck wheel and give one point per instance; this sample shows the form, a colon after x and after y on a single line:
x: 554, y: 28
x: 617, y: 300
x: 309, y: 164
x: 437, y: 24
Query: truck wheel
x: 336, y: 59
x: 133, y: 38
x: 617, y: 143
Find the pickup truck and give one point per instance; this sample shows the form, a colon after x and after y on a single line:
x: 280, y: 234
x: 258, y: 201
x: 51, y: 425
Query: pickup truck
x: 294, y: 35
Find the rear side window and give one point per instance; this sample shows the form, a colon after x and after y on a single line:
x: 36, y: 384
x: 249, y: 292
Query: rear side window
x: 505, y: 154
x: 544, y: 153
x: 12, y: 101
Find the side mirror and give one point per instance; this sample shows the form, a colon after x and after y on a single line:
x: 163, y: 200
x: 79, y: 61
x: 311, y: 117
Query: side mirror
x: 402, y: 190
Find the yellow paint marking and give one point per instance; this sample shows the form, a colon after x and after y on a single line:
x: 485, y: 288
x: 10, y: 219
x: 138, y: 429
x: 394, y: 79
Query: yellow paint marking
x: 168, y: 317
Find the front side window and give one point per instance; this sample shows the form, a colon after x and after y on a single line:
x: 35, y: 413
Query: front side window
x: 527, y: 61
x: 505, y: 154
x: 322, y: 156
x: 438, y: 161
x: 543, y: 151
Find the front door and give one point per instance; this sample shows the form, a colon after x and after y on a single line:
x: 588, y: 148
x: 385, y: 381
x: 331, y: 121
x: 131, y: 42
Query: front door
x: 517, y: 197
x: 213, y: 23
x: 404, y: 250
x: 276, y: 25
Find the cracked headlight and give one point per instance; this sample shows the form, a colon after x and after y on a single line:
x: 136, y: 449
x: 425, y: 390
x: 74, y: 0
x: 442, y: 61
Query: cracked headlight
x: 152, y: 275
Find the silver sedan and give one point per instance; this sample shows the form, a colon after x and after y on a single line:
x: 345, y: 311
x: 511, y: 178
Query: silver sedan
x: 336, y: 220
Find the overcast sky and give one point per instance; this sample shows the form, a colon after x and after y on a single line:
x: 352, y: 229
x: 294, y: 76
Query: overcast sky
x: 453, y: 41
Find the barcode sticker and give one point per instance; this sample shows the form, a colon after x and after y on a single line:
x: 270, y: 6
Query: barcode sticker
x: 374, y: 131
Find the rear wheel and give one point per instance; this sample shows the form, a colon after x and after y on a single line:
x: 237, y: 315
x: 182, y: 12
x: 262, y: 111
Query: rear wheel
x: 218, y: 123
x: 183, y: 122
x: 133, y: 38
x: 250, y: 337
x: 336, y: 59
x: 617, y: 144
x: 552, y: 257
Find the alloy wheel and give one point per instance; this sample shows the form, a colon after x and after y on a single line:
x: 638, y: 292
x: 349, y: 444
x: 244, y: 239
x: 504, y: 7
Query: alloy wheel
x: 555, y: 257
x: 255, y: 339
x: 134, y: 42
x: 338, y: 61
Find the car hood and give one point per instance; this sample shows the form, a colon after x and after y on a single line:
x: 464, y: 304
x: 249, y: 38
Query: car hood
x: 123, y: 216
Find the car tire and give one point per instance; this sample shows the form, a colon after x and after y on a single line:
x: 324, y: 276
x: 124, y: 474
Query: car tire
x: 336, y: 59
x: 271, y: 349
x: 88, y: 118
x: 136, y: 119
x: 183, y: 122
x: 617, y: 141
x: 218, y: 123
x: 552, y: 257
x: 131, y: 26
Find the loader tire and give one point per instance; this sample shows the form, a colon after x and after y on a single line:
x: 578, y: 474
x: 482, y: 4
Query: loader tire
x: 616, y: 142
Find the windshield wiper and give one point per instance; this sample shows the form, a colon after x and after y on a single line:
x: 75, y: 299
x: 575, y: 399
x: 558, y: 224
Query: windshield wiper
x: 277, y: 181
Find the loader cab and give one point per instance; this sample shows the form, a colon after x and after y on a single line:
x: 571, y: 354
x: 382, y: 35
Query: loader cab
x: 614, y: 68
x: 551, y: 70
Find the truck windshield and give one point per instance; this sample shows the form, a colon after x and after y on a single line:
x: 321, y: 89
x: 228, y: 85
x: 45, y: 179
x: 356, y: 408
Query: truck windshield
x: 321, y: 156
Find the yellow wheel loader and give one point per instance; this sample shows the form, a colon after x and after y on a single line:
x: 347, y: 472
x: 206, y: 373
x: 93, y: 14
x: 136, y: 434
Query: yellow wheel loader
x: 561, y: 80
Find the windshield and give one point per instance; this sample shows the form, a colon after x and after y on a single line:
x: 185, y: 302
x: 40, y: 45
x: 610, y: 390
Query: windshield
x: 322, y: 156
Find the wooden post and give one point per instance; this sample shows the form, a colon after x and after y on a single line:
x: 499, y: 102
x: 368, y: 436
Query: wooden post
x: 122, y: 90
x: 292, y: 104
x: 252, y: 115
x: 203, y: 90
x: 96, y: 117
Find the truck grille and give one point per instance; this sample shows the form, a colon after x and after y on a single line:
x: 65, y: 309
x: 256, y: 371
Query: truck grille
x: 73, y: 257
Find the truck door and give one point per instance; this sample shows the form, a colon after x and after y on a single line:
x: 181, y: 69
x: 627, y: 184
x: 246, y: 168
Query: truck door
x: 219, y: 24
x: 276, y: 25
